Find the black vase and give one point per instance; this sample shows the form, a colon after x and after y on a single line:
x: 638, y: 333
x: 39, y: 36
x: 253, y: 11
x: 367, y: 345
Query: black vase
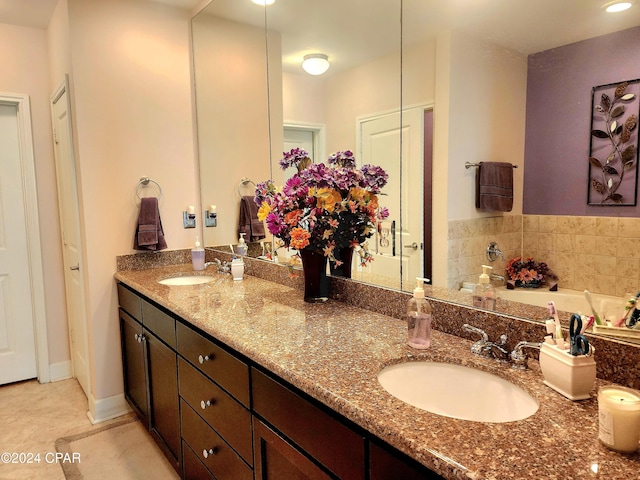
x: 316, y: 282
x: 345, y: 255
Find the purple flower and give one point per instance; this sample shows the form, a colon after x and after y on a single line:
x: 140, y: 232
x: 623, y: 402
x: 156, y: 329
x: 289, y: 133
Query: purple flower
x: 264, y: 190
x: 344, y: 159
x: 293, y: 158
x: 275, y: 224
x: 375, y: 177
x: 383, y: 213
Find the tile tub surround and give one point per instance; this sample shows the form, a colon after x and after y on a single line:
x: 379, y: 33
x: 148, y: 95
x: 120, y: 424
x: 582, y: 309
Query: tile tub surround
x: 334, y: 351
x: 600, y: 254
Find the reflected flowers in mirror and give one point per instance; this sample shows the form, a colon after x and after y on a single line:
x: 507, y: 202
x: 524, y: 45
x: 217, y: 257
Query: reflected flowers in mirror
x: 324, y: 207
x: 527, y: 272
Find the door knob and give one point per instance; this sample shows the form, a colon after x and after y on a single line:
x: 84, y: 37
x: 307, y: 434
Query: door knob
x: 413, y: 246
x: 75, y: 267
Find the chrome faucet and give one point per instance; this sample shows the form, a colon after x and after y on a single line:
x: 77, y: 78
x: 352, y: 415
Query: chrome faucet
x: 493, y: 252
x: 222, y: 267
x: 519, y: 357
x: 484, y: 347
x: 499, y: 278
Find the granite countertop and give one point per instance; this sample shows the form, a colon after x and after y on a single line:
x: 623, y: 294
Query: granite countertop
x: 333, y: 352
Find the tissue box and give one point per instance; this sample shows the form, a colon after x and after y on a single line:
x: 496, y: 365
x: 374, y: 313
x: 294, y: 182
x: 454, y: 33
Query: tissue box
x: 572, y: 376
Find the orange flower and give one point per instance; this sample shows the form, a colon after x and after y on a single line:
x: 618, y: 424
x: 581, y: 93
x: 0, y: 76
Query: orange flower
x: 299, y: 238
x: 293, y: 217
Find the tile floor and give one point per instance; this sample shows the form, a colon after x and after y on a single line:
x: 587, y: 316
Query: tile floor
x: 32, y: 417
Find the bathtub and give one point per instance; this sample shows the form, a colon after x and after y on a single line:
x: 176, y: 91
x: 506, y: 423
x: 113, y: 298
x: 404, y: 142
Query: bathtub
x: 573, y: 301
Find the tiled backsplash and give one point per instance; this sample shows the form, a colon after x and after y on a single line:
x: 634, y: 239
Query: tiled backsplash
x: 601, y: 254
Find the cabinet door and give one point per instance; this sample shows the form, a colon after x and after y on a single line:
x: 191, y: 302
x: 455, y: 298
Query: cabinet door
x: 133, y: 361
x: 164, y: 419
x: 276, y: 459
x: 388, y: 464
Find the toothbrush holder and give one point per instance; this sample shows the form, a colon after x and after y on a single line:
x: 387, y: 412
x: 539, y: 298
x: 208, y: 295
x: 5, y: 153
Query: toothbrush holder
x: 569, y: 375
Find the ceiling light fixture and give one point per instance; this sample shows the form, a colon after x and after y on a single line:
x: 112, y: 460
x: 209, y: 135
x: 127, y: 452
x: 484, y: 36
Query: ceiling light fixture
x: 315, y: 63
x: 614, y: 7
x: 264, y: 2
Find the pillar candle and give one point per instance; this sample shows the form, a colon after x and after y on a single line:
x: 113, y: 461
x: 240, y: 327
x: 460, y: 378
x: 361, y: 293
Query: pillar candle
x: 619, y: 418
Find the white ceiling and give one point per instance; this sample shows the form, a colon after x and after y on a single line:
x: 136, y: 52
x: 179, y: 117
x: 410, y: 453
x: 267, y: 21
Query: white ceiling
x: 525, y: 26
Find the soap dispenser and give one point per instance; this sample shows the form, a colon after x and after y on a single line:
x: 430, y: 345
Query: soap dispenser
x: 242, y: 245
x: 484, y: 294
x: 197, y: 256
x: 419, y: 318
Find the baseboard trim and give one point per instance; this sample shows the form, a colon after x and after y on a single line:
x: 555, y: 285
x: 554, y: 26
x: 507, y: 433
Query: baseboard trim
x: 60, y: 371
x: 105, y: 409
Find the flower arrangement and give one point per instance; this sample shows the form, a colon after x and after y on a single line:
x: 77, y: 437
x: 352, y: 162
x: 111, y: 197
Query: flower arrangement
x: 527, y: 272
x: 324, y: 207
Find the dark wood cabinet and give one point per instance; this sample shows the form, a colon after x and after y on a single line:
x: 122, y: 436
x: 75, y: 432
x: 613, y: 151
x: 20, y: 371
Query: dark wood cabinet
x: 217, y: 416
x: 319, y: 434
x: 277, y: 459
x: 386, y: 463
x: 212, y: 450
x: 150, y: 371
x: 164, y: 418
x: 135, y: 368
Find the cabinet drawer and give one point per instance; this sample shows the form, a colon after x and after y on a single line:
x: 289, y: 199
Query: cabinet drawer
x: 161, y: 324
x: 228, y: 417
x: 130, y: 302
x: 224, y: 463
x: 227, y: 371
x: 192, y: 466
x: 322, y: 436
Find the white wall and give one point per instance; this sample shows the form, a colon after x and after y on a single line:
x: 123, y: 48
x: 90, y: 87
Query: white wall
x: 26, y: 71
x: 479, y: 116
x: 132, y: 93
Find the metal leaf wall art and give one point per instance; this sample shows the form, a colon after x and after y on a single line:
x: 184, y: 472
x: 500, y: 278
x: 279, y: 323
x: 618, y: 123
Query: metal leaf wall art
x: 613, y: 160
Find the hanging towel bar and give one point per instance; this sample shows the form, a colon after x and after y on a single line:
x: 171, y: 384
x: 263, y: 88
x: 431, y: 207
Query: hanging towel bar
x: 144, y: 181
x: 468, y: 165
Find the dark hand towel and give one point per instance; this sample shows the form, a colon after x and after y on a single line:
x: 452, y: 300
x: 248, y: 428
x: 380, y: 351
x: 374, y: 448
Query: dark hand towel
x: 248, y: 222
x: 149, y: 234
x: 494, y: 187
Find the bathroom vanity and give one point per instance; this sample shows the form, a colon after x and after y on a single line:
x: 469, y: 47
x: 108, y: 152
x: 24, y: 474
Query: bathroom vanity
x: 246, y: 380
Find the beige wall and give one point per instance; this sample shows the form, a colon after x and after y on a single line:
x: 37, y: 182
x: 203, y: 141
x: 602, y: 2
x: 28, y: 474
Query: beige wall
x: 133, y: 113
x: 479, y: 116
x: 26, y: 71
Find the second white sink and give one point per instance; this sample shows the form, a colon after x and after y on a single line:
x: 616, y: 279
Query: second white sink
x: 457, y: 391
x: 187, y: 280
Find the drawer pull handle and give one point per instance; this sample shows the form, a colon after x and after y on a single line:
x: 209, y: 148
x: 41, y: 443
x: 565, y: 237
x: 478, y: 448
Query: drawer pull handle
x: 139, y: 337
x: 206, y: 403
x: 206, y: 453
x: 204, y: 358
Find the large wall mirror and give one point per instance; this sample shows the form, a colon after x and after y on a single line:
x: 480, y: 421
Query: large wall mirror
x: 418, y: 86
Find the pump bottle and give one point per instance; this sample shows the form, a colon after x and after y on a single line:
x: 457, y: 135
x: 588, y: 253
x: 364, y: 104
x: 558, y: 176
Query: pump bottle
x: 484, y: 294
x: 197, y: 256
x: 242, y: 245
x: 419, y: 318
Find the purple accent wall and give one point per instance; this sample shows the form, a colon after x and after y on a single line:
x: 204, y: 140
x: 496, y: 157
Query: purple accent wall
x: 558, y: 121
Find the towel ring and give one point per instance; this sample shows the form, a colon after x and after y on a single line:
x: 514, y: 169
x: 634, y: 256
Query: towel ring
x: 144, y: 181
x: 244, y: 181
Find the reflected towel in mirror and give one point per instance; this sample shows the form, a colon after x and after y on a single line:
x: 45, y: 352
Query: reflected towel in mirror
x: 494, y: 187
x: 248, y: 222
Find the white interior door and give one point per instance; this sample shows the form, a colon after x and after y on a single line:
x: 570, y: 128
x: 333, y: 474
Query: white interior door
x: 70, y: 229
x: 17, y: 333
x: 380, y: 141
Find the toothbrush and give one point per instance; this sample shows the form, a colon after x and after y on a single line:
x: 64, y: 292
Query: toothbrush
x: 232, y: 251
x: 587, y: 295
x: 558, y: 336
x: 631, y: 304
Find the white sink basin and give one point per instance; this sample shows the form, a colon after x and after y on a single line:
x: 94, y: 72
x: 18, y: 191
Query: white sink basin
x: 188, y: 280
x: 458, y: 392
